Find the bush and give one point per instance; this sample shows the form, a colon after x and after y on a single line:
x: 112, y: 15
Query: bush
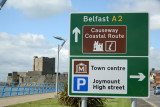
x: 64, y: 99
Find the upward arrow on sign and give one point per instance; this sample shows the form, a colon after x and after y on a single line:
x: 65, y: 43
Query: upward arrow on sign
x: 76, y: 31
x: 140, y: 76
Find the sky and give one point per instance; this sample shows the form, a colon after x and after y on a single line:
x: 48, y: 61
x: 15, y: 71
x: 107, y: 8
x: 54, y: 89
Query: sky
x: 27, y: 28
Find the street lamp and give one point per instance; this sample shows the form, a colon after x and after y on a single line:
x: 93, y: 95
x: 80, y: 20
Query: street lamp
x: 59, y: 48
x: 2, y: 3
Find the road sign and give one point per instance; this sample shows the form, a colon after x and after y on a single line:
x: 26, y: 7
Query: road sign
x: 109, y: 55
x: 108, y: 76
x: 121, y: 34
x: 104, y: 39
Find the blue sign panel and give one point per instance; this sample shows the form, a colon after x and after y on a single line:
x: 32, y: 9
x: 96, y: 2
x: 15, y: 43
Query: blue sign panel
x: 80, y: 84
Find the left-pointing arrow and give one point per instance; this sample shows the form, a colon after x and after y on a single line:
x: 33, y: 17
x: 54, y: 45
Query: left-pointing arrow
x: 76, y: 31
x: 140, y: 76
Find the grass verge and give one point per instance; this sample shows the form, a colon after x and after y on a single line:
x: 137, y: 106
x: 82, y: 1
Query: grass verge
x: 114, y: 102
x: 53, y: 102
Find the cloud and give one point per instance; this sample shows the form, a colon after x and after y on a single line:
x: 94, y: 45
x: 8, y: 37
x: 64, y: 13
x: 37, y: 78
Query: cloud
x: 154, y: 58
x: 155, y: 22
x: 41, y: 8
x: 17, y: 52
x: 151, y: 6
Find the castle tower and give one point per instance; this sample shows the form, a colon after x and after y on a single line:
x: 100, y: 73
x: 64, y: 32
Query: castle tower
x: 48, y: 66
x: 34, y: 62
x: 44, y: 64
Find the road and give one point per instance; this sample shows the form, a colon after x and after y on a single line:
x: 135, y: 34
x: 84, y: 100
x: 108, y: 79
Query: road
x: 154, y: 99
x: 143, y: 103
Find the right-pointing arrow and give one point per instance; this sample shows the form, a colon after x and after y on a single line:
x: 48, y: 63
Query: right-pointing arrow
x: 140, y: 76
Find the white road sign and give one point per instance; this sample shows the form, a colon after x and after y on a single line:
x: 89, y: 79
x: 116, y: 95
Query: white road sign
x: 99, y: 76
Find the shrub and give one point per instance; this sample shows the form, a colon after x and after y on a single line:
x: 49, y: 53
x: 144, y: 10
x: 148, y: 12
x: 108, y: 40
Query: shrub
x: 64, y: 99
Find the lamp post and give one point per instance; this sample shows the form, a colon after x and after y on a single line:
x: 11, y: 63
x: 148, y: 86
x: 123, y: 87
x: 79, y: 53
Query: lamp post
x: 59, y: 48
x: 2, y: 3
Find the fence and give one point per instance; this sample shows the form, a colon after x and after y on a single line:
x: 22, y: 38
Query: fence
x: 16, y: 89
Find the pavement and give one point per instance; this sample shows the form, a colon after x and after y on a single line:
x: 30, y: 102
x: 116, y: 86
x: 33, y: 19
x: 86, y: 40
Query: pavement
x: 6, y: 101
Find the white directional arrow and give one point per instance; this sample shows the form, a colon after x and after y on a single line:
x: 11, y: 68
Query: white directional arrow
x: 76, y: 31
x: 140, y: 76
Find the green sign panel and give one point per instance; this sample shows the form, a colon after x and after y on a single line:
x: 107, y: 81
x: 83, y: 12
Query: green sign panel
x: 102, y: 27
x: 109, y: 55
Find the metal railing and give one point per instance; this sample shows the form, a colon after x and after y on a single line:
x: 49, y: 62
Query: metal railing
x: 16, y: 89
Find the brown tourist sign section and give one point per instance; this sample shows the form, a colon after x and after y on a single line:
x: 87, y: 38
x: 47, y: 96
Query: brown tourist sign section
x: 104, y: 39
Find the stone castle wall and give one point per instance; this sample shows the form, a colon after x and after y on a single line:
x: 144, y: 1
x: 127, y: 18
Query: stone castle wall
x: 43, y: 72
x: 22, y: 74
x: 33, y: 73
x: 52, y: 78
x: 33, y: 77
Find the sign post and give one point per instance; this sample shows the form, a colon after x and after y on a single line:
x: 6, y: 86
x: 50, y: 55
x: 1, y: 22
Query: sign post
x: 109, y: 55
x: 83, y: 101
x: 133, y: 102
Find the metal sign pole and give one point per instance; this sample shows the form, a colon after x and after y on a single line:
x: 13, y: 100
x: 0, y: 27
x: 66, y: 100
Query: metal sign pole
x: 57, y: 72
x: 83, y: 101
x: 2, y: 3
x: 133, y: 102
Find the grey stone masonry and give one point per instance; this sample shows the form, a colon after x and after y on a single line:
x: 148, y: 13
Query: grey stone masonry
x: 32, y: 74
x: 43, y: 72
x: 44, y: 64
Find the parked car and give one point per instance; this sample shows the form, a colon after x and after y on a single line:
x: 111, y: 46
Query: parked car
x: 156, y: 90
